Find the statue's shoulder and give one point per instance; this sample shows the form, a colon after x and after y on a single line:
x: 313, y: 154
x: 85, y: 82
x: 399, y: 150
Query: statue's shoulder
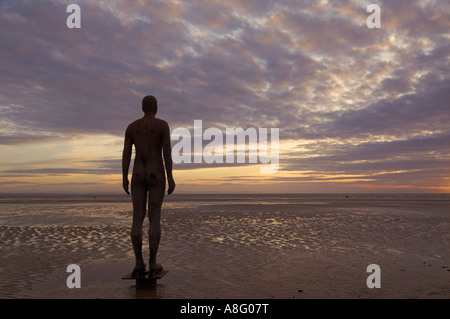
x: 160, y: 122
x: 134, y: 124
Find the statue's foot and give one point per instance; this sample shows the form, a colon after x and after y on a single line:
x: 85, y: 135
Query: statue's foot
x: 138, y: 271
x: 155, y: 270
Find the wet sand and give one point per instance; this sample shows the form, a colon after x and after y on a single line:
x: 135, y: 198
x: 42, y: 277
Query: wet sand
x: 305, y: 249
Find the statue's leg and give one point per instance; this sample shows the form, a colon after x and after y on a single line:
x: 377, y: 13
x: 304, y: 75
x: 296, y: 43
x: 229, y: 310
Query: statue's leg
x: 139, y: 197
x: 155, y: 200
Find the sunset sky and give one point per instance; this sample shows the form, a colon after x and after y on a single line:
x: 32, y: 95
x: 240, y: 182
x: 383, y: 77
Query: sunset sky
x: 358, y: 109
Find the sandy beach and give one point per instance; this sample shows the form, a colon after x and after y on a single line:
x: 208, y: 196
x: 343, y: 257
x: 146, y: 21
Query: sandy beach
x: 261, y: 247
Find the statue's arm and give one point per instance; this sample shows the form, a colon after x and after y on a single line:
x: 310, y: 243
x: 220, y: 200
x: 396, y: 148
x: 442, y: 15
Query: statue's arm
x: 126, y: 158
x: 167, y: 153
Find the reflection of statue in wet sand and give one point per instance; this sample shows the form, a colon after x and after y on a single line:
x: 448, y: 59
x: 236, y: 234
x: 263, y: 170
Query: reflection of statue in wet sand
x: 151, y: 138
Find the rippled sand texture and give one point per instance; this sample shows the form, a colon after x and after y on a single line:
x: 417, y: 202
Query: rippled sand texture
x: 273, y: 251
x: 284, y: 250
x: 38, y: 241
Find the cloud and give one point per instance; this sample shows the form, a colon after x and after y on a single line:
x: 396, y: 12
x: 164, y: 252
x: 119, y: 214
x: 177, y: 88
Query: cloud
x: 420, y: 161
x: 61, y: 171
x: 260, y: 62
x: 14, y: 183
x: 313, y: 69
x: 25, y: 139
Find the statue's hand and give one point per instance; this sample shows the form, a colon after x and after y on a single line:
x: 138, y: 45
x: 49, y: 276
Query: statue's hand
x: 171, y: 185
x: 125, y: 184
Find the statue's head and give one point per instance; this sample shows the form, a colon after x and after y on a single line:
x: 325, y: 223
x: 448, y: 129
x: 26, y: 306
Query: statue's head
x: 149, y: 105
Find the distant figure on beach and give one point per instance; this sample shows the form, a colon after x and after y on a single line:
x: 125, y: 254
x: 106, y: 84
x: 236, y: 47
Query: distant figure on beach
x: 151, y: 138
